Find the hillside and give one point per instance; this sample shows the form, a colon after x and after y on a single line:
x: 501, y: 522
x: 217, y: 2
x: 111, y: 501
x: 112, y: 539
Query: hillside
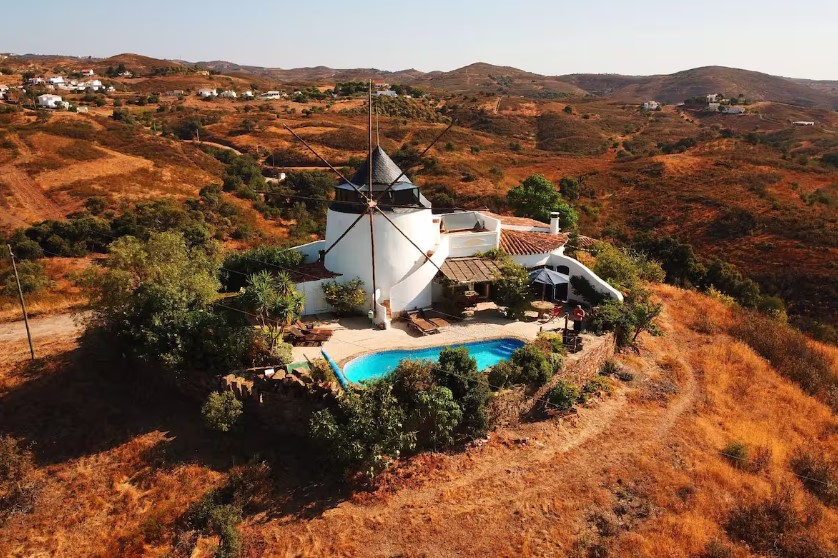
x: 646, y: 471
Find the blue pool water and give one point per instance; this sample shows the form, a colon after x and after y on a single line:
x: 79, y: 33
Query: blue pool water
x: 375, y: 365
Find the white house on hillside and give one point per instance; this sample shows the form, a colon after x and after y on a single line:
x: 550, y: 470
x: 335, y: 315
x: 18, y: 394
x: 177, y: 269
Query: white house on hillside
x: 48, y: 100
x: 418, y: 254
x: 87, y: 72
x: 651, y: 105
x: 55, y: 80
x: 206, y: 93
x: 228, y: 94
x: 713, y: 97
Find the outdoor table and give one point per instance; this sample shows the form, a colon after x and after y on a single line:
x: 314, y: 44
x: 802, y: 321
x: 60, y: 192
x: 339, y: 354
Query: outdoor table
x: 542, y: 307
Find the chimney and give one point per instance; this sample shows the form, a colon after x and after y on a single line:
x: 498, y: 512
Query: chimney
x: 554, y: 222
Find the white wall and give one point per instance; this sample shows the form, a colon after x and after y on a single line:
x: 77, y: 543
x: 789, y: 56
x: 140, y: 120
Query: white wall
x: 315, y: 303
x: 463, y: 244
x: 395, y: 255
x: 311, y: 251
x: 578, y: 269
x: 416, y: 290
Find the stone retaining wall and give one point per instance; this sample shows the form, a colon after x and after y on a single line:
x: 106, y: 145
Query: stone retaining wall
x: 510, y: 407
x: 284, y: 402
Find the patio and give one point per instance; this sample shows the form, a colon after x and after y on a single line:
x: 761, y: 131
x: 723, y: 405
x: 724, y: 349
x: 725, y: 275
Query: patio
x: 353, y: 335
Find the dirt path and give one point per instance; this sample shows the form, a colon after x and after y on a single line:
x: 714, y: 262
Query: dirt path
x: 218, y: 145
x: 58, y: 325
x: 522, y: 492
x: 26, y: 200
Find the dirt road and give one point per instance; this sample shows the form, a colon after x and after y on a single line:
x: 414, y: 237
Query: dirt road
x: 26, y: 200
x: 50, y: 334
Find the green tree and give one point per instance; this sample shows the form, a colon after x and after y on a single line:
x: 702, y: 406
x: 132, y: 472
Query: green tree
x: 511, y: 288
x: 33, y: 278
x: 365, y: 432
x: 537, y: 197
x: 155, y: 298
x: 457, y: 371
x: 222, y: 411
x: 569, y: 188
x: 432, y: 413
x: 272, y: 298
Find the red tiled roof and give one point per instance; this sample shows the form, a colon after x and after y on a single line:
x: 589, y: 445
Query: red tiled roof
x: 517, y: 221
x: 313, y: 271
x: 522, y: 243
x: 585, y: 241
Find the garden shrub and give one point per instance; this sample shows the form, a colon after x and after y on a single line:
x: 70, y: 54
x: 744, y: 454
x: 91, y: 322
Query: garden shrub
x: 345, y: 298
x: 222, y: 411
x: 320, y: 370
x: 533, y: 364
x: 503, y: 374
x: 743, y: 457
x: 563, y: 395
x: 457, y: 371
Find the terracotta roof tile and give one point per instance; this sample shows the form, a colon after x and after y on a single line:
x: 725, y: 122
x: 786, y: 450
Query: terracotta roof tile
x: 522, y: 243
x: 313, y: 271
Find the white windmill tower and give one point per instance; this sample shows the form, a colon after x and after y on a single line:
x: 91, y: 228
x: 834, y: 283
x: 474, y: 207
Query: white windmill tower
x: 397, y: 238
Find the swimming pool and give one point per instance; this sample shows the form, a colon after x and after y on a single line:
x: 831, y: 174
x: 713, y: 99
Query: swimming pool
x: 375, y: 365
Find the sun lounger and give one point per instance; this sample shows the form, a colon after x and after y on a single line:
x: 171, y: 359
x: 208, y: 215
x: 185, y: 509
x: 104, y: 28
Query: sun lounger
x: 439, y: 322
x: 424, y: 326
x: 298, y: 337
x: 309, y: 328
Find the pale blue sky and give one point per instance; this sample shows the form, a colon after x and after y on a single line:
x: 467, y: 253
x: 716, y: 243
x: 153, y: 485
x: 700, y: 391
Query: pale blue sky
x: 797, y: 39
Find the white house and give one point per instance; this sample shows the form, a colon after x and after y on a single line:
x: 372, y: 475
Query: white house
x: 419, y: 254
x: 93, y: 84
x: 88, y: 72
x: 651, y: 105
x: 386, y: 93
x: 713, y: 97
x: 228, y: 94
x: 803, y: 123
x: 55, y: 80
x: 272, y: 95
x: 713, y: 107
x: 37, y: 81
x: 49, y: 101
x: 207, y: 93
x: 247, y: 94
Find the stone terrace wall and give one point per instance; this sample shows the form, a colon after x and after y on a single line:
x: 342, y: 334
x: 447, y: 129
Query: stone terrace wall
x: 514, y: 405
x: 285, y: 402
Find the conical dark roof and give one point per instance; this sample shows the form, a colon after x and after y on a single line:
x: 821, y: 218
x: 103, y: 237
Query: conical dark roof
x: 384, y: 171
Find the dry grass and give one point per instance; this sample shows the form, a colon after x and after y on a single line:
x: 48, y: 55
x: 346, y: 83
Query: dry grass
x: 624, y: 476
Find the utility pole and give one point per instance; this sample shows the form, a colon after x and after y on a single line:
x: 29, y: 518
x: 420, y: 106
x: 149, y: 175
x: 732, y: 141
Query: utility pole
x: 22, y: 303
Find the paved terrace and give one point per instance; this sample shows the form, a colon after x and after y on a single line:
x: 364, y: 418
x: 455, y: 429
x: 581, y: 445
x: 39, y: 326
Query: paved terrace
x: 353, y: 336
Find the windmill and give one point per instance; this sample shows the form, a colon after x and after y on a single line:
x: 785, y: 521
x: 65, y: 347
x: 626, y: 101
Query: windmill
x: 400, y: 222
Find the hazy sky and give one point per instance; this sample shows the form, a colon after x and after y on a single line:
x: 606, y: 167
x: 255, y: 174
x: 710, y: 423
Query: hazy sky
x: 796, y: 39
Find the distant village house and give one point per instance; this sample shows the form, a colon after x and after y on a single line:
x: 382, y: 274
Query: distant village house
x: 48, y: 100
x: 651, y: 105
x: 207, y: 93
x: 803, y: 123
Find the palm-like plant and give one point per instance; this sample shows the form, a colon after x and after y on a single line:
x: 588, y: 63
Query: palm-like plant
x: 274, y: 302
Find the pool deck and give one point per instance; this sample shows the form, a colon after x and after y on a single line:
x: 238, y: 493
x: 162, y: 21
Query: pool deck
x: 354, y: 336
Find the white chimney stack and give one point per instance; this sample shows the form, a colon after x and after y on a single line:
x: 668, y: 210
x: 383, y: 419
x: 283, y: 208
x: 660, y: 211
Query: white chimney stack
x: 554, y: 222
